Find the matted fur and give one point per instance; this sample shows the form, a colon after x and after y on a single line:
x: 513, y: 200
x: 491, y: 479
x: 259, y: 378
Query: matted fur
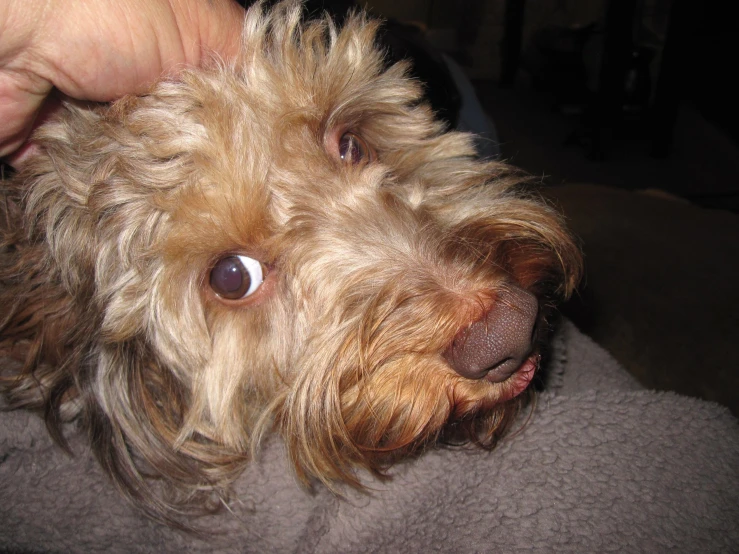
x: 110, y: 233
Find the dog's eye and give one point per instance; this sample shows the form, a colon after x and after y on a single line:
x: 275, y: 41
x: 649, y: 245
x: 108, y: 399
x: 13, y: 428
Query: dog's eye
x: 235, y: 277
x: 353, y: 149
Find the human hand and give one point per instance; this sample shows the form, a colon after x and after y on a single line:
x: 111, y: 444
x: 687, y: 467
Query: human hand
x: 100, y: 51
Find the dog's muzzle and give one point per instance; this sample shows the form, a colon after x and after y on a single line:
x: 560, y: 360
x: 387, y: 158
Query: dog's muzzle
x: 499, y: 343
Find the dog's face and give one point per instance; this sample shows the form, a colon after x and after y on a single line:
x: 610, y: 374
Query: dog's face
x: 290, y: 242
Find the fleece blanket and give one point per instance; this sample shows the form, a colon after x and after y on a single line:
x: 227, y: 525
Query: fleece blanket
x: 602, y: 465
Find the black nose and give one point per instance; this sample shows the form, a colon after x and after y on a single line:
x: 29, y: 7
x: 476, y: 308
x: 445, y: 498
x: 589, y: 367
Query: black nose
x: 497, y: 344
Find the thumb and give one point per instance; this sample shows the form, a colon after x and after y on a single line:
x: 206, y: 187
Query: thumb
x: 209, y: 27
x: 21, y: 99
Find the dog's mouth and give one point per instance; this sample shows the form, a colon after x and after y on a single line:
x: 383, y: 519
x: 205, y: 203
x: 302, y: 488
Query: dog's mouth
x: 517, y: 380
x: 508, y: 367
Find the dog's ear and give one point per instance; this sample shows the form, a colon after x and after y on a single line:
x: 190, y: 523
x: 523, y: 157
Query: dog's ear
x: 43, y: 331
x: 51, y: 239
x: 126, y: 401
x: 45, y: 289
x: 75, y: 227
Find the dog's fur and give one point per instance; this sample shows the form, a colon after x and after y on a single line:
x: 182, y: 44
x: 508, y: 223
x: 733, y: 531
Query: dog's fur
x: 373, y: 268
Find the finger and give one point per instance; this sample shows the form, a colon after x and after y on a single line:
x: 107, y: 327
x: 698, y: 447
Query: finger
x: 104, y: 57
x: 208, y: 28
x: 48, y: 109
x: 21, y: 99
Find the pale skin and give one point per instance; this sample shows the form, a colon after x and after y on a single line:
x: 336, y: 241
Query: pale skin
x: 98, y: 50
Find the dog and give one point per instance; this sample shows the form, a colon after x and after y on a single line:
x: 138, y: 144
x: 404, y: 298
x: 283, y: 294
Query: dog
x: 288, y: 243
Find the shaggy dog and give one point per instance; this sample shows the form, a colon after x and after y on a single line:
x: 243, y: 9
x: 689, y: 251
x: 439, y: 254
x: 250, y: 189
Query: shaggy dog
x: 287, y: 243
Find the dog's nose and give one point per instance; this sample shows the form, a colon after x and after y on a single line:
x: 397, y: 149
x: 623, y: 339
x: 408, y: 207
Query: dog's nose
x: 497, y: 344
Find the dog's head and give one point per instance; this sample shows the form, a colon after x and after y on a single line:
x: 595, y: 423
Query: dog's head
x: 289, y: 242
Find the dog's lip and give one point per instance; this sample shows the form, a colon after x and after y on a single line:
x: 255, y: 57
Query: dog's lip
x: 518, y: 380
x: 503, y: 370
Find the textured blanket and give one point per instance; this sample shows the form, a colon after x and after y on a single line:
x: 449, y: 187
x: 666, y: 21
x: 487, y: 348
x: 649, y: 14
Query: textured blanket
x: 601, y: 466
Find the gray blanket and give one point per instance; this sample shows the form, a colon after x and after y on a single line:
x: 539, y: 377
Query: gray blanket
x: 601, y: 466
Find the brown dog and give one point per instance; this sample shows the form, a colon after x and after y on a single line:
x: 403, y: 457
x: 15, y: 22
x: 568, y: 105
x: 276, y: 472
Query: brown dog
x: 288, y: 243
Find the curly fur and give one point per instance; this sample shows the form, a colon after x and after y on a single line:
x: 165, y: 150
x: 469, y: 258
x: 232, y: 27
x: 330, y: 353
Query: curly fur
x: 110, y: 233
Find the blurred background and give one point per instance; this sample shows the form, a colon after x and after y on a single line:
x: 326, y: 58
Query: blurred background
x: 625, y: 112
